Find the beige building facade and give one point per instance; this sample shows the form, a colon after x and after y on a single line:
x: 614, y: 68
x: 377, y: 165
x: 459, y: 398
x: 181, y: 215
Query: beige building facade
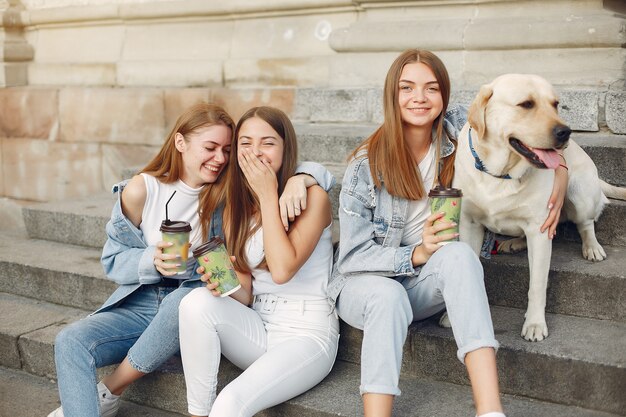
x: 90, y: 88
x: 322, y: 43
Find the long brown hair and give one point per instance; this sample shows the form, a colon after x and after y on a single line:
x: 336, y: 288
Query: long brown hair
x: 389, y: 156
x: 241, y: 202
x: 167, y: 165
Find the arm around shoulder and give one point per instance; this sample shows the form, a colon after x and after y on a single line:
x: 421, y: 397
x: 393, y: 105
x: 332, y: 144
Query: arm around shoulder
x: 322, y: 176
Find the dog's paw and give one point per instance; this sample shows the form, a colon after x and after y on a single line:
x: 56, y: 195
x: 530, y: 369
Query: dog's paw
x: 534, y: 332
x: 444, y: 321
x: 512, y: 245
x: 593, y: 252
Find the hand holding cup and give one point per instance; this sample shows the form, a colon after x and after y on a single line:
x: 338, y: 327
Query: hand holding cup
x: 217, y: 267
x: 432, y: 238
x: 165, y: 263
x: 176, y: 233
x: 446, y: 201
x: 206, y: 277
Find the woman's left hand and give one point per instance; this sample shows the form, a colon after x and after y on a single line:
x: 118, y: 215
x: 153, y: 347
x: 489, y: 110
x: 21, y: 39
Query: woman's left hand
x: 555, y: 204
x: 259, y: 174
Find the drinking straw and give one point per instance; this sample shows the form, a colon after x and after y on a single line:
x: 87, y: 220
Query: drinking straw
x: 167, y: 218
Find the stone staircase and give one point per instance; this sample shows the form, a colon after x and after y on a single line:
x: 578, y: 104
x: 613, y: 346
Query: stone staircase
x: 50, y: 275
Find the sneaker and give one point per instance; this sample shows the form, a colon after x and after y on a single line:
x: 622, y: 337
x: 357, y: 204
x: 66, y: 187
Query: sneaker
x: 109, y: 403
x: 57, y: 413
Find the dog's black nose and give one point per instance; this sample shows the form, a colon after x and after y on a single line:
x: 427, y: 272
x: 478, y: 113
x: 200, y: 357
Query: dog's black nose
x: 561, y: 133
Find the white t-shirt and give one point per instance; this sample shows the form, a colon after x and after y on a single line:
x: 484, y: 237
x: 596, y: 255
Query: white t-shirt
x: 309, y: 283
x: 183, y: 206
x: 419, y: 210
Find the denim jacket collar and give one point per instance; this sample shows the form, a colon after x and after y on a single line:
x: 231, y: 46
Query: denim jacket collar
x: 453, y: 121
x: 446, y: 147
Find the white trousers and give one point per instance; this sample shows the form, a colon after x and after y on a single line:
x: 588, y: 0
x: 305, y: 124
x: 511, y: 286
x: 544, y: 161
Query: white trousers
x: 286, y: 347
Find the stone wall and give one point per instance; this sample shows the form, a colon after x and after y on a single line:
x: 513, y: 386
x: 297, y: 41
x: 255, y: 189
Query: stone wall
x: 92, y: 87
x: 337, y: 43
x: 58, y: 143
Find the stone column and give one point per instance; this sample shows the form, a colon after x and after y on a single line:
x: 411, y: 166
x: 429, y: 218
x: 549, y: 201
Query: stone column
x: 15, y: 52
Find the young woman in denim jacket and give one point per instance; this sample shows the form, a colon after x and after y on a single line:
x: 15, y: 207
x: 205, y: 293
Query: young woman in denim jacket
x: 287, y: 342
x: 391, y: 268
x: 138, y: 324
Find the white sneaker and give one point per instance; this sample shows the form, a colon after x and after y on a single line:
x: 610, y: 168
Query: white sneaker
x: 109, y: 403
x: 57, y: 413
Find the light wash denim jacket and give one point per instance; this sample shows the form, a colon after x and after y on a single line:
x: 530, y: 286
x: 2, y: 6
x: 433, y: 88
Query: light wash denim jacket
x: 372, y: 221
x: 128, y: 260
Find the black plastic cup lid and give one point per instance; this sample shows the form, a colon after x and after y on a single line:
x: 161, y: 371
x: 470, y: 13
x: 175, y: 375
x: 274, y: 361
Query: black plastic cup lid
x: 173, y: 226
x: 440, y: 191
x: 207, y: 246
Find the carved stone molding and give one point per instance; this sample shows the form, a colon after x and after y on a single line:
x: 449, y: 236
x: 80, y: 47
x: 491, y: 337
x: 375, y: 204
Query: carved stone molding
x: 184, y: 9
x: 456, y: 25
x: 14, y: 50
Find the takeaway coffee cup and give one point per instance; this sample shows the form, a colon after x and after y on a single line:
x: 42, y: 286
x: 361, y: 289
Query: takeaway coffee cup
x: 213, y: 257
x: 177, y: 232
x: 447, y: 200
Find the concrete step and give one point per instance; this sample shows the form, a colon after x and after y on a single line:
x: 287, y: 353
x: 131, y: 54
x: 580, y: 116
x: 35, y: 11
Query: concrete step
x: 330, y: 142
x: 72, y: 275
x: 581, y: 107
x: 165, y: 390
x: 575, y: 365
x: 608, y: 228
x: 338, y: 395
x: 82, y: 221
x: 75, y: 221
x: 25, y: 317
x: 608, y: 152
x: 24, y: 395
x: 54, y: 272
x: 333, y: 142
x: 575, y: 286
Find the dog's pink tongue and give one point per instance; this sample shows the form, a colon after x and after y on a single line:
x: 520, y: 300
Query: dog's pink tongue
x: 549, y: 157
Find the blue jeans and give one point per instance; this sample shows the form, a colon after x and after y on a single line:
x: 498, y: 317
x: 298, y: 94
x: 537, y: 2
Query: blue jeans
x: 384, y: 307
x: 144, y: 327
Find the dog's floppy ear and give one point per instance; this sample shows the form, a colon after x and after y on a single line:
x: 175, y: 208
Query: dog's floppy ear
x: 476, y: 112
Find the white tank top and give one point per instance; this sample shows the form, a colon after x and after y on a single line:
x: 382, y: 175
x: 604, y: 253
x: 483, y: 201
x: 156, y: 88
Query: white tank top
x: 419, y: 210
x: 183, y: 206
x: 309, y: 283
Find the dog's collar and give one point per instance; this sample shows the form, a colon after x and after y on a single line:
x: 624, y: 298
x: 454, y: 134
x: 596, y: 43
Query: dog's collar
x: 478, y: 163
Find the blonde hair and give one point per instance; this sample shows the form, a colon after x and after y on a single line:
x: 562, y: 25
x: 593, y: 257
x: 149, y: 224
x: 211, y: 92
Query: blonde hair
x: 389, y: 156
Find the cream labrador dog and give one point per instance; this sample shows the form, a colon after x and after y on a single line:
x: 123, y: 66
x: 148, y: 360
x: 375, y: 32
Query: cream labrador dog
x: 505, y: 162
